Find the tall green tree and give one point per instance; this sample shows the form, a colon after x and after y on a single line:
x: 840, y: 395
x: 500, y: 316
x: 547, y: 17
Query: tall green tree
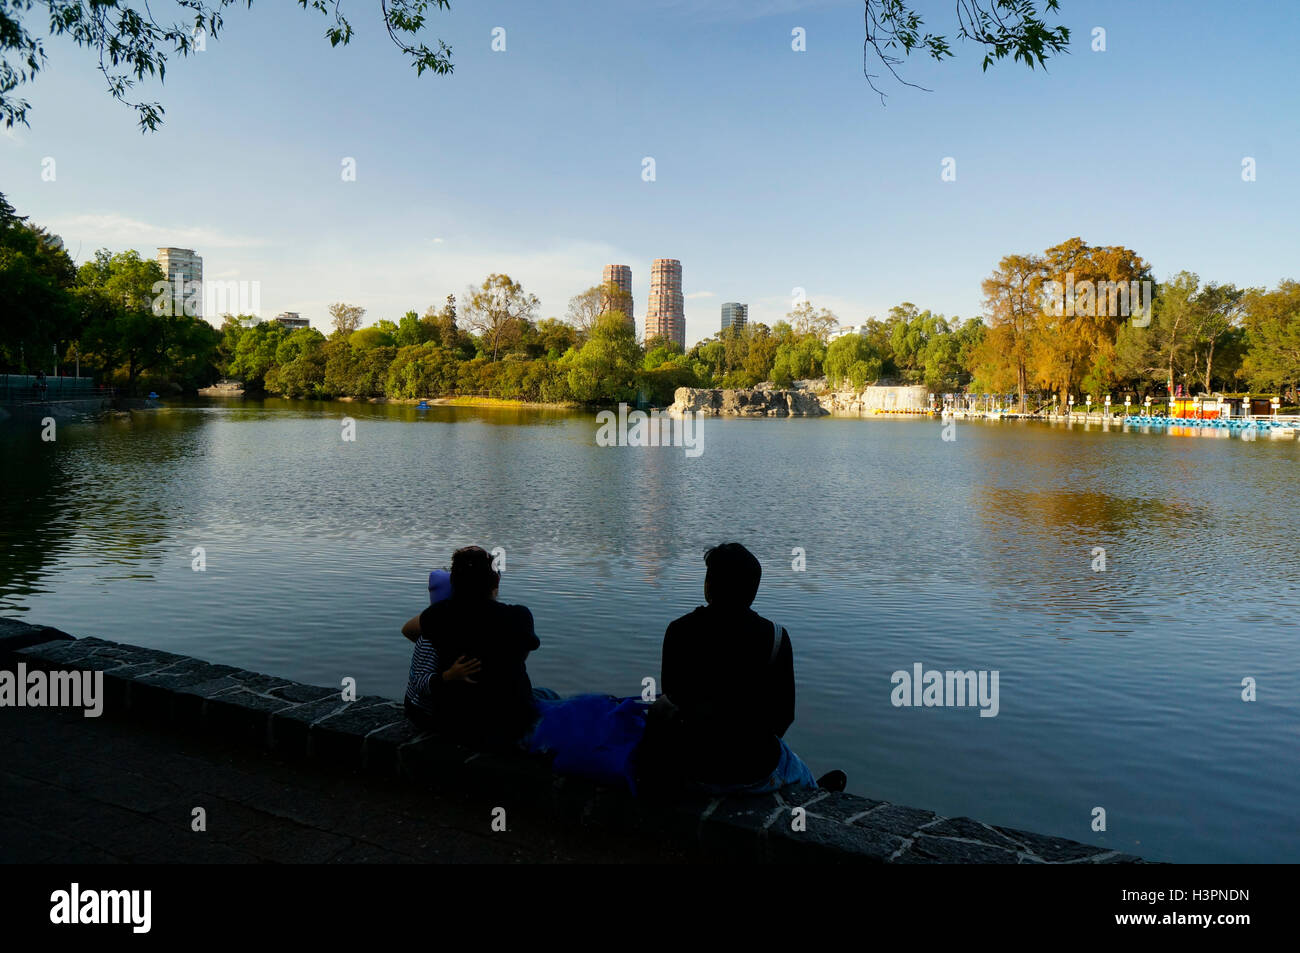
x: 818, y: 323
x: 39, y: 315
x: 851, y: 359
x: 587, y: 306
x: 1222, y: 308
x: 257, y: 352
x: 127, y: 325
x: 1075, y: 343
x: 497, y: 311
x: 1272, y: 321
x: 345, y: 318
x: 1013, y: 301
x: 605, y: 368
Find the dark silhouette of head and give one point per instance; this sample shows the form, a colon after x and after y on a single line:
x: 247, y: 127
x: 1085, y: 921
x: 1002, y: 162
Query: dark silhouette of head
x: 472, y: 575
x: 731, y: 576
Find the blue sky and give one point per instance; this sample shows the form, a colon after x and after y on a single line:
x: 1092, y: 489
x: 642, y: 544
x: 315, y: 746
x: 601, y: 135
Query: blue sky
x: 775, y: 169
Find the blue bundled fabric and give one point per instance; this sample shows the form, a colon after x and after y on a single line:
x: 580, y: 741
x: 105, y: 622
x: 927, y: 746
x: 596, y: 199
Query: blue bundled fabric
x: 592, y: 736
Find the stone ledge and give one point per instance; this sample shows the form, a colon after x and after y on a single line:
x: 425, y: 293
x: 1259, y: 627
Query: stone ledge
x: 15, y: 634
x: 373, y: 735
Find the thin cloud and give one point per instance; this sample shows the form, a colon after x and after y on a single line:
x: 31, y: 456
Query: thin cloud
x: 118, y: 232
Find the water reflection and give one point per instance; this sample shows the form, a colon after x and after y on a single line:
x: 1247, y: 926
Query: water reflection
x: 975, y: 553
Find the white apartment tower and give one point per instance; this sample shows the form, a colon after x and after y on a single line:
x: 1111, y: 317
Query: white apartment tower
x: 184, y: 272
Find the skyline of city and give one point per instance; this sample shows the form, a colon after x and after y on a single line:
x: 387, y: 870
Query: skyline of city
x: 835, y: 194
x: 185, y: 266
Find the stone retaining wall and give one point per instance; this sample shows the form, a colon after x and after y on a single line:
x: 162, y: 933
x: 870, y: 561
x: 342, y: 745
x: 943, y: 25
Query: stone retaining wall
x: 761, y: 401
x: 372, y: 734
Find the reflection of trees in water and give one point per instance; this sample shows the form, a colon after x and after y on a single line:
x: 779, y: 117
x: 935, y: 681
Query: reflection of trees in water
x: 1092, y: 514
x: 32, y: 518
x: 111, y: 480
x: 1041, y: 548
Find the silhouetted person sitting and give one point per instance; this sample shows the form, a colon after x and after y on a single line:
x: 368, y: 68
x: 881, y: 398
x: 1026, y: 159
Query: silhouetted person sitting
x: 468, y: 678
x: 728, y: 687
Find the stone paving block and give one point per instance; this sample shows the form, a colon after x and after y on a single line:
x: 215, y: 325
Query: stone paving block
x: 339, y: 738
x: 56, y: 808
x: 896, y: 819
x: 839, y: 806
x: 1116, y: 858
x: 380, y: 750
x: 294, y: 844
x: 241, y: 714
x: 226, y: 820
x: 155, y: 694
x: 140, y: 793
x: 968, y: 829
x: 58, y: 654
x: 24, y: 843
x: 120, y: 681
x: 1051, y: 849
x: 825, y: 840
x: 114, y: 655
x: 257, y: 682
x: 946, y: 850
x: 291, y: 727
x: 299, y: 693
x: 796, y: 796
x: 735, y: 826
x: 16, y: 634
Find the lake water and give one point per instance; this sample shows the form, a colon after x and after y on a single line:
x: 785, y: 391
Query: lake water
x: 1119, y: 689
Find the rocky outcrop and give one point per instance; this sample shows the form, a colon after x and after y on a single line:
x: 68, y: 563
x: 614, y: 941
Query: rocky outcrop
x: 872, y: 400
x: 812, y: 398
x: 223, y: 389
x: 761, y: 401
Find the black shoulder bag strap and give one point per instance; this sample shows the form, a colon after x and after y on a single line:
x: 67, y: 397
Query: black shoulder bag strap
x: 776, y: 642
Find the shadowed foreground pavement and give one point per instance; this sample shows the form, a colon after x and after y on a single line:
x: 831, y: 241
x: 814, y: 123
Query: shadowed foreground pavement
x: 99, y: 790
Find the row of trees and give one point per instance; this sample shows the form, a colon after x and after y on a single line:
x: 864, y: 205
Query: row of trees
x: 1057, y: 324
x: 910, y: 346
x: 100, y: 316
x: 494, y: 346
x: 1091, y: 320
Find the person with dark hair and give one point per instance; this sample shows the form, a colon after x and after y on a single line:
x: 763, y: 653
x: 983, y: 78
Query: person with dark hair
x: 484, y: 697
x: 728, y: 691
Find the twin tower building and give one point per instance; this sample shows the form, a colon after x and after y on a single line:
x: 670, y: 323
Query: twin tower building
x: 666, y: 315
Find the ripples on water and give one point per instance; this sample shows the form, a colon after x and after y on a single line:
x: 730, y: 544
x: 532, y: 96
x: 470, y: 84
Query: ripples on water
x: 1118, y: 689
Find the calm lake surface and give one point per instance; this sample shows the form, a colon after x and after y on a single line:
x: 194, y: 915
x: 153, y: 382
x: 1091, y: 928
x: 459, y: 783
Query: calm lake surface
x: 1119, y: 689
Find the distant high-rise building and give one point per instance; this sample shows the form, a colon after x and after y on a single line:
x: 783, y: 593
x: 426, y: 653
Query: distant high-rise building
x: 621, y: 277
x: 184, y: 272
x: 666, y: 316
x: 292, y: 321
x: 734, y: 315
